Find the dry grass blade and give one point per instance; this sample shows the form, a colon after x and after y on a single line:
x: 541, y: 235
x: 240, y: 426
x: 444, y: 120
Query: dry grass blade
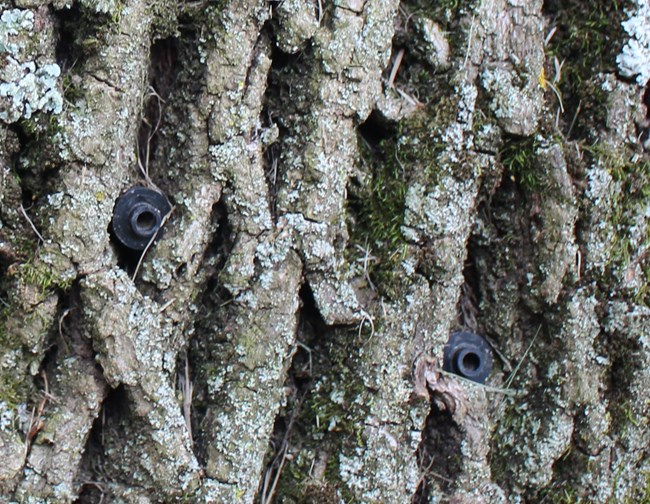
x: 153, y: 238
x: 514, y: 371
x: 40, y: 237
x: 487, y: 388
x: 272, y: 475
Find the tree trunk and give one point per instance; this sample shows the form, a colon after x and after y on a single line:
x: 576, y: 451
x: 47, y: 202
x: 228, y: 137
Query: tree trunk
x: 351, y: 181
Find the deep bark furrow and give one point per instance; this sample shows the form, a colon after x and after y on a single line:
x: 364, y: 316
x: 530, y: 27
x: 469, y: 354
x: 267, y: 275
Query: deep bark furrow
x: 350, y: 181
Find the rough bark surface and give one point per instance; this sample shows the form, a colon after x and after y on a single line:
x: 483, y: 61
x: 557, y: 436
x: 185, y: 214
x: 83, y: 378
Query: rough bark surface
x: 351, y: 181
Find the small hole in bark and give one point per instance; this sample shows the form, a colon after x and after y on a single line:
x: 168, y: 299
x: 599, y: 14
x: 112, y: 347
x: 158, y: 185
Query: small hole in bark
x: 281, y: 59
x: 375, y: 129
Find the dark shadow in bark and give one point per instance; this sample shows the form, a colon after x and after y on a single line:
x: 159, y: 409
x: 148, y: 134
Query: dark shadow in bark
x: 164, y: 67
x: 295, y: 431
x: 375, y: 129
x: 77, y: 29
x: 439, y: 455
x: 281, y: 59
x: 285, y: 69
x: 583, y: 27
x: 470, y: 297
x: 17, y: 240
x: 376, y: 205
x: 212, y: 303
x: 207, y: 339
x: 93, y: 476
x: 36, y: 169
x: 271, y: 162
x: 625, y: 353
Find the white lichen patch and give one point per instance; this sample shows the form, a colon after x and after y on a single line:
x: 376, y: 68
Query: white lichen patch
x: 7, y: 416
x: 634, y: 60
x: 25, y: 87
x: 516, y: 106
x: 434, y: 42
x: 441, y: 211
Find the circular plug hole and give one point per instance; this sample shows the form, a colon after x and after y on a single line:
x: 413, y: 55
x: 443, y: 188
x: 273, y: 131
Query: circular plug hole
x: 471, y: 361
x: 145, y: 220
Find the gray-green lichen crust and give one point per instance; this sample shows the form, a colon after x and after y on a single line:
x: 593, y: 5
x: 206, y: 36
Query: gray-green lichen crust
x: 29, y: 78
x: 350, y: 181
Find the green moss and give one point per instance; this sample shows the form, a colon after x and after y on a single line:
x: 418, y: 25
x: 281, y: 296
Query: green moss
x: 561, y: 495
x: 640, y: 495
x: 72, y: 90
x: 518, y: 156
x: 412, y: 150
x: 584, y: 27
x: 442, y: 10
x: 513, y: 423
x: 36, y: 276
x: 12, y: 392
x: 378, y: 210
x: 13, y: 389
x: 41, y: 275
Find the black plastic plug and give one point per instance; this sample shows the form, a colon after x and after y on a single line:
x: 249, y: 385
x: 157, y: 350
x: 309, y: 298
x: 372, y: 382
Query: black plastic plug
x: 138, y: 215
x: 468, y: 355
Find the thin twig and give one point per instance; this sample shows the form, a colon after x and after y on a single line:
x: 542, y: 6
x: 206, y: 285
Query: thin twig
x: 429, y: 472
x: 35, y: 423
x: 499, y: 353
x: 40, y: 237
x: 166, y: 305
x: 573, y: 121
x: 469, y: 41
x: 98, y: 486
x: 367, y: 257
x: 65, y: 313
x: 557, y: 94
x: 309, y: 351
x: 188, y: 390
x: 367, y: 318
x: 279, y: 459
x: 550, y: 36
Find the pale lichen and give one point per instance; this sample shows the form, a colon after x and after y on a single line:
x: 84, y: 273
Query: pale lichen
x: 634, y: 60
x: 25, y: 85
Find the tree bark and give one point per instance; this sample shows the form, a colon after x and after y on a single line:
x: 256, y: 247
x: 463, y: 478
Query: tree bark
x: 351, y: 181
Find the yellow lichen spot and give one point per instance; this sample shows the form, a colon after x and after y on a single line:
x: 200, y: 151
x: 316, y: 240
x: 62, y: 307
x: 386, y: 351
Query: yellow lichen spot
x: 100, y: 196
x: 541, y: 79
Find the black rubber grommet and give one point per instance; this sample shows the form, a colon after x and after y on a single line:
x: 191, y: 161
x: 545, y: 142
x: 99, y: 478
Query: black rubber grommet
x: 468, y: 355
x: 138, y: 215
